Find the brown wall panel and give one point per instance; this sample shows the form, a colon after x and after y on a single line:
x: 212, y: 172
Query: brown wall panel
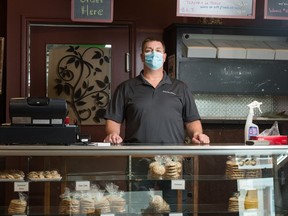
x: 149, y: 17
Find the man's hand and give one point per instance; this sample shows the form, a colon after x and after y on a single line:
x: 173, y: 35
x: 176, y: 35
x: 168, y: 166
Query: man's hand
x: 113, y: 130
x: 113, y: 138
x: 194, y: 131
x: 200, y: 139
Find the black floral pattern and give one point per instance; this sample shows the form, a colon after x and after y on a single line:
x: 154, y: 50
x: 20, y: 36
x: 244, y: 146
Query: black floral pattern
x: 77, y: 81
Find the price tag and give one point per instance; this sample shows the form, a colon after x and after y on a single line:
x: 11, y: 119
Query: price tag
x: 82, y: 185
x: 245, y: 184
x: 251, y: 184
x: 176, y: 214
x: 107, y: 214
x: 21, y: 186
x: 178, y: 184
x: 254, y: 213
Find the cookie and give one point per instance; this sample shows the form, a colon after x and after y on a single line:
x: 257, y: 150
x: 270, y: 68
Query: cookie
x: 17, y: 206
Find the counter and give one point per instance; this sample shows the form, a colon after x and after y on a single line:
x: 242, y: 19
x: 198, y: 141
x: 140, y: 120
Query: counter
x: 210, y: 176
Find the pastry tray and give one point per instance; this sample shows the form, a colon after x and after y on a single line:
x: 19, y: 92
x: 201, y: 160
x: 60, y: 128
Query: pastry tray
x: 12, y: 180
x: 44, y: 179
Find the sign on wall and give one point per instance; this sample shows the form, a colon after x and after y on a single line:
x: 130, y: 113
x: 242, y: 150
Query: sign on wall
x: 244, y: 9
x: 276, y: 9
x: 92, y: 10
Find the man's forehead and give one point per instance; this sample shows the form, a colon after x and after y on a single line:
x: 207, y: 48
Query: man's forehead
x: 154, y: 44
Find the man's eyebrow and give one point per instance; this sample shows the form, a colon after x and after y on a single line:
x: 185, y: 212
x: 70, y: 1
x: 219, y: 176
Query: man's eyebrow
x: 157, y: 48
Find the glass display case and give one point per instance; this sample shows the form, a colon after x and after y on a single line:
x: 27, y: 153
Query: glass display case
x: 144, y: 180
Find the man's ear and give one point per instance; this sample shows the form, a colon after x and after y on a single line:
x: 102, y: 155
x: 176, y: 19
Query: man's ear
x: 164, y: 57
x: 142, y: 56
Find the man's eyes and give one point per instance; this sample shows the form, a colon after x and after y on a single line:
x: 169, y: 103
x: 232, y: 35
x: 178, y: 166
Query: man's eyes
x: 150, y: 50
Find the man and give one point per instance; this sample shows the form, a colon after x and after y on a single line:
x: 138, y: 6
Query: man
x: 155, y: 107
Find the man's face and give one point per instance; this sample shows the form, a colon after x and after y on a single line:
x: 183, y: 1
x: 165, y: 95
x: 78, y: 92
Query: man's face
x: 153, y: 46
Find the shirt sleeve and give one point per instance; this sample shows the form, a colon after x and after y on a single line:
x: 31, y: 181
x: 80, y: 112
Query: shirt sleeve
x: 190, y: 111
x: 116, y: 107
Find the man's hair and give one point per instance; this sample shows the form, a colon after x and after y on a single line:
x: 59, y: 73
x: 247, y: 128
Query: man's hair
x: 149, y: 39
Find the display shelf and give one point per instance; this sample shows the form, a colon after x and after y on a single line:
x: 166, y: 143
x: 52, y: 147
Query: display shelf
x: 205, y: 187
x: 223, y: 86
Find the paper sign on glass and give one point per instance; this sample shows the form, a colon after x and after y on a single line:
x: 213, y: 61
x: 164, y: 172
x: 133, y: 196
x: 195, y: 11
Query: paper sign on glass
x: 244, y: 9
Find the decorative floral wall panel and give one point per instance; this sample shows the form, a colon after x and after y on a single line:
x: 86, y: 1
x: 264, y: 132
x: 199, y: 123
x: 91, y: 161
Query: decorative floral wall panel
x: 80, y: 74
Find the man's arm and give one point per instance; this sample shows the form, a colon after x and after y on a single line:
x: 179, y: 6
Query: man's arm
x: 113, y: 132
x: 195, y: 132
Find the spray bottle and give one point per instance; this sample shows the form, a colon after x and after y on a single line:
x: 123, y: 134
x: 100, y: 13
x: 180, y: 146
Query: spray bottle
x: 250, y: 128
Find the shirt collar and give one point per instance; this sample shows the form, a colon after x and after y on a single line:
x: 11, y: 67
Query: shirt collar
x: 141, y: 80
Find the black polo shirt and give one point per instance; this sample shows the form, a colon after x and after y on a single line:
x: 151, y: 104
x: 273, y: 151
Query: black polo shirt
x: 153, y: 115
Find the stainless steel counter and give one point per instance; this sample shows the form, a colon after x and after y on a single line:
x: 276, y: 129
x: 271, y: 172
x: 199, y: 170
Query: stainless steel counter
x: 184, y: 150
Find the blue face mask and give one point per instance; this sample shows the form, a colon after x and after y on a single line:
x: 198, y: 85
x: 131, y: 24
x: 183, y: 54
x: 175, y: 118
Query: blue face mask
x: 154, y: 60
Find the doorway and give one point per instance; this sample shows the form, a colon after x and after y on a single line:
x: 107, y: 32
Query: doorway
x: 117, y: 35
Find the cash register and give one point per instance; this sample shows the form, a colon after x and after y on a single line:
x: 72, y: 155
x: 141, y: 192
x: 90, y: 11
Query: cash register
x: 38, y: 120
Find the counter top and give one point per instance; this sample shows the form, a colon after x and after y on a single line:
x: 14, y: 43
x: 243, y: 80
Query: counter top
x: 136, y: 150
x: 242, y: 121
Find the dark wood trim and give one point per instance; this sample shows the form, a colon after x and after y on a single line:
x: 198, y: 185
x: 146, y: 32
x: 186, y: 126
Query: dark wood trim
x: 27, y: 22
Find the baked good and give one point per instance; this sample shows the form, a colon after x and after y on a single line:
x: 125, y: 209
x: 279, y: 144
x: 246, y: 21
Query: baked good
x: 47, y: 174
x: 251, y: 204
x: 102, y: 206
x: 17, y: 206
x: 158, y: 205
x: 179, y: 166
x: 232, y: 171
x: 156, y: 168
x: 12, y: 174
x: 173, y: 170
x: 251, y: 200
x: 233, y: 204
x: 87, y: 206
x: 69, y: 206
x: 117, y: 203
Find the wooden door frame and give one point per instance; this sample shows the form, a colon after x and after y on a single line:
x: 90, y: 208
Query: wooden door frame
x: 28, y: 22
